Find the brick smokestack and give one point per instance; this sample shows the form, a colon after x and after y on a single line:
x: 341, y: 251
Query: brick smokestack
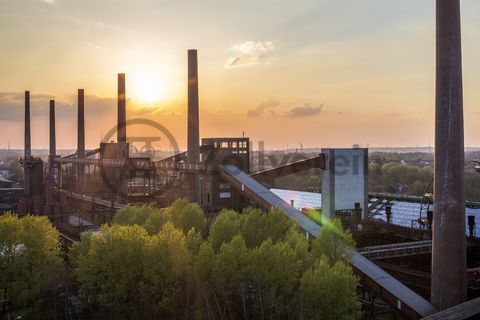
x: 81, y: 124
x: 27, y: 144
x: 81, y: 140
x: 193, y: 149
x: 449, y: 240
x: 53, y: 148
x: 122, y: 111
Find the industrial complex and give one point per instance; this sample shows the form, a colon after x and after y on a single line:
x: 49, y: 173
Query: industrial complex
x: 417, y: 257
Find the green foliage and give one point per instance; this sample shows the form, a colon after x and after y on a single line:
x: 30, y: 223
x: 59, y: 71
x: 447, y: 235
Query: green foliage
x: 253, y: 265
x: 224, y: 227
x: 329, y: 292
x: 333, y: 242
x: 125, y: 273
x: 135, y: 215
x: 186, y: 215
x: 183, y: 214
x: 30, y: 260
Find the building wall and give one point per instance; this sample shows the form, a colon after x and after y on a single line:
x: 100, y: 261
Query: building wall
x: 344, y: 181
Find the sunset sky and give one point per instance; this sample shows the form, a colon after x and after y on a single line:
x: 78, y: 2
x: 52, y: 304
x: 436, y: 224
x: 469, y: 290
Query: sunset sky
x: 318, y: 72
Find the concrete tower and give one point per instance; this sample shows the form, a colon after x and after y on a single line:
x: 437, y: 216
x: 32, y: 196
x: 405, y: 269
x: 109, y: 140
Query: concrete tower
x: 449, y: 247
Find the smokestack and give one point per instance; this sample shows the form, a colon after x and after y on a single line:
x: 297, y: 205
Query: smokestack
x: 81, y: 124
x: 449, y: 241
x: 122, y: 111
x: 53, y: 148
x: 193, y: 149
x: 27, y: 146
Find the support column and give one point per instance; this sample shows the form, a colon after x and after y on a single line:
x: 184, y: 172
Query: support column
x: 449, y: 239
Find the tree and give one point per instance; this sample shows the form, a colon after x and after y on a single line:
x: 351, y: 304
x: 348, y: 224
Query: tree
x: 186, y: 215
x: 166, y: 268
x: 275, y: 286
x: 135, y: 215
x: 110, y: 270
x: 333, y: 242
x: 224, y: 227
x: 30, y: 260
x: 329, y: 292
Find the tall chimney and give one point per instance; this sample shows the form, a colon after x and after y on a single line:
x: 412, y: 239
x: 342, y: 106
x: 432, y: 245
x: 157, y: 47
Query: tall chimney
x: 193, y: 149
x: 449, y: 239
x: 81, y: 124
x: 27, y: 146
x: 81, y: 140
x: 53, y: 148
x: 122, y: 112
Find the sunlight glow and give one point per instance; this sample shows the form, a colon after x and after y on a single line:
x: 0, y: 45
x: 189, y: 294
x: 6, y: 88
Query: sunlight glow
x: 147, y: 88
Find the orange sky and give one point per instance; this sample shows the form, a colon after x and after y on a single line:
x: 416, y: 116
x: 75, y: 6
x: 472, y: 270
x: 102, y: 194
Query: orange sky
x: 321, y: 73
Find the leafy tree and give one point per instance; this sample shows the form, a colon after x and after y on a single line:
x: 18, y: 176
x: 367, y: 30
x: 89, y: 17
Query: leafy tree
x: 275, y: 285
x: 166, y: 269
x: 194, y: 240
x: 110, y: 270
x: 328, y: 292
x: 333, y: 242
x: 135, y: 215
x: 30, y: 260
x: 224, y: 227
x: 186, y: 215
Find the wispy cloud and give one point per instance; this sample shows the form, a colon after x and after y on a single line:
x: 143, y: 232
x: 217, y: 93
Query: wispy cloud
x: 249, y: 53
x: 306, y: 111
x: 266, y: 105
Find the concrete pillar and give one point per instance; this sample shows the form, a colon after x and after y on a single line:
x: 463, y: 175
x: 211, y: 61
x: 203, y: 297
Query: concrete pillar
x: 27, y: 145
x: 193, y: 149
x: 81, y: 140
x: 449, y: 239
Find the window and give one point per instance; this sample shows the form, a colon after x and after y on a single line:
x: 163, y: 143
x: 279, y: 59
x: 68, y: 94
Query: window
x: 224, y: 145
x: 225, y: 195
x: 224, y: 186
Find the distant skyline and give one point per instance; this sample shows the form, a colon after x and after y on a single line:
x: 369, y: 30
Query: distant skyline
x: 324, y: 73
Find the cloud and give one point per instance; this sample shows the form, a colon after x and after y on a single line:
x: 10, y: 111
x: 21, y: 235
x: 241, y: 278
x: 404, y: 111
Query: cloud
x: 12, y: 106
x: 306, y: 111
x: 48, y: 1
x: 249, y: 53
x: 266, y: 105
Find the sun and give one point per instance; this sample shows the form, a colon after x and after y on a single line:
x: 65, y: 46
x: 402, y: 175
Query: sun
x: 147, y: 88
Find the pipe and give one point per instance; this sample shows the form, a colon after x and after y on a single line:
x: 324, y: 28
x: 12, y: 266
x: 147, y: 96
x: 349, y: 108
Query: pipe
x: 449, y: 241
x: 27, y: 145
